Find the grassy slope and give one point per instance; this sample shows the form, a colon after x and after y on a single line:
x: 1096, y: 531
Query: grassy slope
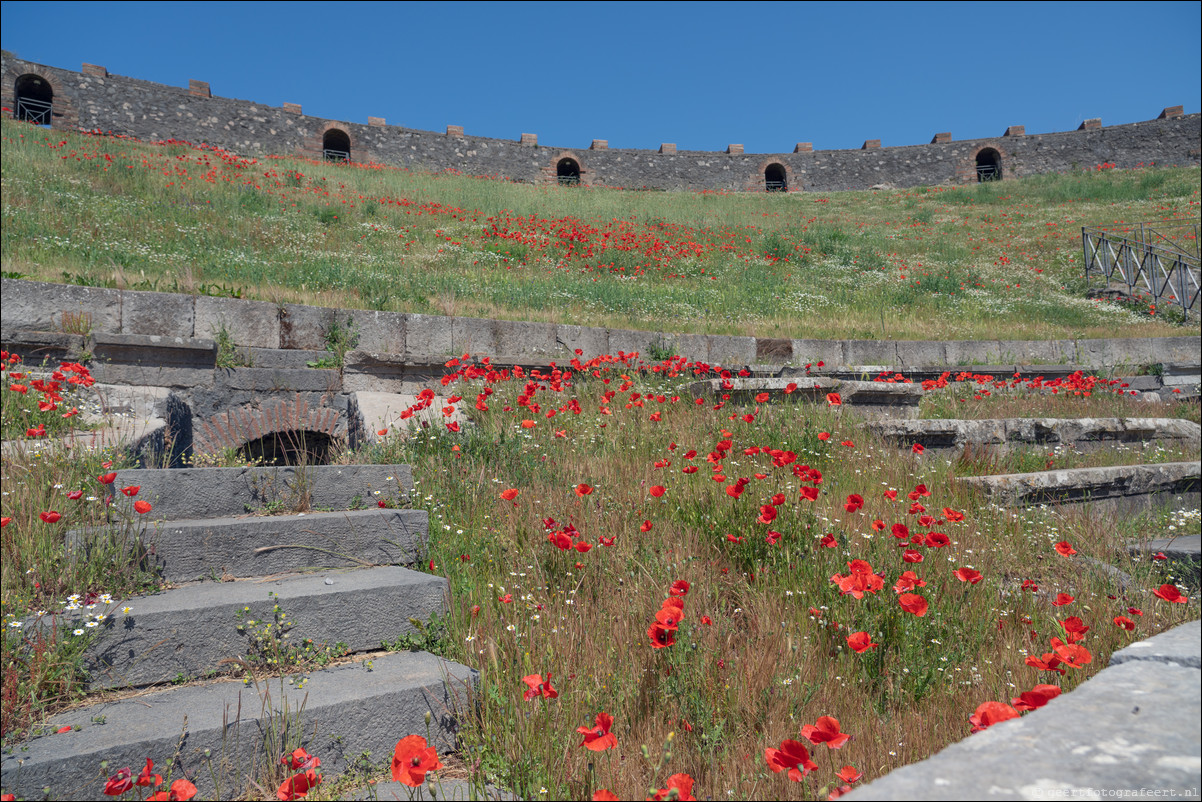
x: 982, y: 261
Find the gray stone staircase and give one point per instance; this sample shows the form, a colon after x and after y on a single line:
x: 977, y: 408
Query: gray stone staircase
x: 256, y: 588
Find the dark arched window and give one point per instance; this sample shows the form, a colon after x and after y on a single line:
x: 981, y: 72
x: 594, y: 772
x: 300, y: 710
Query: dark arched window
x: 336, y: 146
x: 290, y: 448
x: 989, y: 165
x: 775, y: 178
x: 567, y: 172
x: 33, y: 99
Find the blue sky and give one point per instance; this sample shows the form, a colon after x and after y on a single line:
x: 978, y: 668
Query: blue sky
x: 765, y: 75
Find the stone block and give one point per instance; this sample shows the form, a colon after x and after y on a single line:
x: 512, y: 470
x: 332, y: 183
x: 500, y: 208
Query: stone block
x: 915, y: 353
x: 248, y: 323
x: 305, y: 327
x: 475, y: 336
x: 39, y: 306
x: 628, y: 341
x: 963, y: 353
x: 455, y: 131
x: 1125, y: 487
x: 1016, y: 130
x: 599, y: 144
x: 199, y: 88
x: 590, y: 341
x: 161, y: 313
x: 529, y: 140
x: 189, y: 493
x: 367, y: 371
x: 273, y: 358
x: 871, y: 144
x: 940, y: 138
x: 668, y: 148
x: 375, y: 122
x: 734, y: 150
x: 871, y: 352
x: 732, y: 351
x: 34, y: 347
x: 275, y: 380
x: 694, y: 347
x: 428, y: 337
x: 803, y: 147
x: 149, y: 375
x: 377, y: 331
x: 1090, y: 124
x: 830, y: 352
x: 340, y: 713
x: 1171, y: 113
x: 521, y: 339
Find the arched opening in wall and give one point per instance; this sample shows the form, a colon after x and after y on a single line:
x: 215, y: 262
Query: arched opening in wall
x: 989, y: 165
x: 336, y: 146
x: 775, y: 178
x: 33, y: 99
x: 567, y: 172
x: 294, y: 447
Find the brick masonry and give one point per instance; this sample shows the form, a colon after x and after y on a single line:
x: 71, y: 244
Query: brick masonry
x: 93, y: 101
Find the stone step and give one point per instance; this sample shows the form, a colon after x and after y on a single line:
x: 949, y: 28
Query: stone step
x: 382, y: 412
x: 1126, y: 487
x: 188, y: 632
x: 1134, y: 725
x: 338, y: 714
x: 1183, y: 552
x: 1080, y: 433
x: 873, y: 399
x: 193, y: 493
x: 217, y: 548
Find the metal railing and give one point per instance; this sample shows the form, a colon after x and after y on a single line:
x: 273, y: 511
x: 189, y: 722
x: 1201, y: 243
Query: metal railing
x: 1156, y: 261
x: 33, y: 110
x: 331, y: 155
x: 988, y: 172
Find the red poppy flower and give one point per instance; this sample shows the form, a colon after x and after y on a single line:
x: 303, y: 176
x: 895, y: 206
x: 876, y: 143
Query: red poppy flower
x: 917, y: 448
x: 181, y: 790
x: 854, y: 502
x: 1062, y: 599
x: 645, y: 526
x: 990, y: 713
x: 860, y: 580
x: 705, y: 619
x: 510, y: 494
x: 51, y: 517
x: 657, y: 490
x: 792, y: 757
x: 412, y: 759
x: 1065, y: 548
x: 682, y: 784
x: 602, y: 795
x: 809, y: 493
x: 767, y: 514
x: 825, y: 732
x: 1135, y: 611
x: 131, y: 491
x: 1047, y: 662
x: 300, y: 760
x: 824, y: 436
x: 598, y: 738
x: 298, y: 786
x: 891, y: 495
x: 5, y: 521
x: 968, y: 575
x: 849, y: 774
x: 911, y: 556
x: 878, y: 525
x: 1072, y: 655
x: 453, y: 426
x: 107, y: 478
x: 661, y: 637
x: 148, y: 777
x: 1124, y: 622
x: 1075, y: 628
x: 900, y: 531
x: 952, y: 515
x: 538, y: 687
x: 833, y: 399
x: 583, y: 489
x: 908, y: 581
x: 120, y: 782
x: 829, y: 541
x: 75, y: 495
x: 1035, y: 698
x: 848, y: 444
x: 913, y: 603
x: 860, y: 642
x: 142, y: 507
x: 937, y: 540
x: 1169, y: 593
x: 679, y: 588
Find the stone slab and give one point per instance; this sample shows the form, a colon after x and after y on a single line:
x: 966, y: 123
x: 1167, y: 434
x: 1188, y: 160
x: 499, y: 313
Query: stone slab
x: 253, y: 324
x: 628, y: 341
x: 159, y: 313
x: 151, y: 375
x: 428, y: 336
x: 190, y: 493
x: 273, y: 358
x: 193, y: 631
x: 220, y: 548
x: 40, y: 306
x: 475, y: 336
x: 731, y: 351
x: 1002, y: 434
x: 378, y: 331
x: 1181, y: 645
x: 830, y: 352
x: 693, y: 347
x: 339, y: 713
x: 274, y: 380
x: 35, y: 347
x: 524, y: 340
x: 434, y: 788
x: 589, y: 340
x: 1130, y: 730
x: 1124, y: 486
x: 304, y: 327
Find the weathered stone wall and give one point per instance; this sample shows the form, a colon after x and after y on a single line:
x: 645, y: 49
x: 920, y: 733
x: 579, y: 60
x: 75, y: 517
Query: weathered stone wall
x: 96, y: 101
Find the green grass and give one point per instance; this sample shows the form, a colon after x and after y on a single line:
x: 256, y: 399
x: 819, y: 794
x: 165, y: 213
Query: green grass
x: 981, y: 261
